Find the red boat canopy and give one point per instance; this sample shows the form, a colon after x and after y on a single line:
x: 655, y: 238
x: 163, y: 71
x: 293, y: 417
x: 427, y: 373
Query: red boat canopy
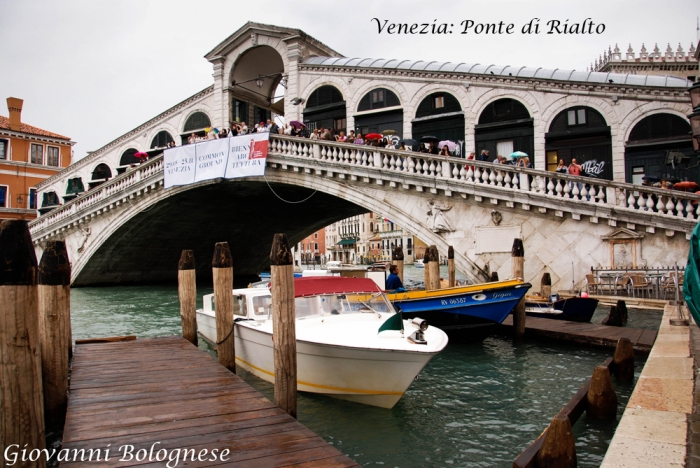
x: 315, y: 285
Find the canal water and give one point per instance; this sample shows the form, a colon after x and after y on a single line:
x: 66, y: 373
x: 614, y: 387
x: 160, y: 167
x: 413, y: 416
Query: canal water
x: 474, y: 405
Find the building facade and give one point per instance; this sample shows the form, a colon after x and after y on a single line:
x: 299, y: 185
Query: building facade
x: 313, y: 248
x: 368, y: 238
x: 28, y: 156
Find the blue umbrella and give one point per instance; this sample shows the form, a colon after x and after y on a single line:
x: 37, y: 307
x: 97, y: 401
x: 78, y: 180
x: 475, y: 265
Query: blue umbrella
x: 518, y: 154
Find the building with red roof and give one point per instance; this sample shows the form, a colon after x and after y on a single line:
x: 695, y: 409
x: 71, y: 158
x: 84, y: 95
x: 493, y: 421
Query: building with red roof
x: 28, y: 156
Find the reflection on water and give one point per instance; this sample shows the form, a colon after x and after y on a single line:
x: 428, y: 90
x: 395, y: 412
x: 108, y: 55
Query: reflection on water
x: 474, y: 405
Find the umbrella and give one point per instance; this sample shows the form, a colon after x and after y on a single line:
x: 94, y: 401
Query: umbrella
x: 408, y: 142
x: 686, y: 186
x: 651, y: 179
x: 373, y: 136
x: 428, y: 139
x: 297, y: 124
x: 451, y: 145
x: 141, y: 155
x: 389, y: 132
x: 518, y: 154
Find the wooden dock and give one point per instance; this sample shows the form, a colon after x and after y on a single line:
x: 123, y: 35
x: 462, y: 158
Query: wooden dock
x: 586, y: 333
x: 167, y: 394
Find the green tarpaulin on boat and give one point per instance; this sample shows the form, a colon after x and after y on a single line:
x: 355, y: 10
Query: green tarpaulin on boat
x: 395, y: 322
x: 691, y: 281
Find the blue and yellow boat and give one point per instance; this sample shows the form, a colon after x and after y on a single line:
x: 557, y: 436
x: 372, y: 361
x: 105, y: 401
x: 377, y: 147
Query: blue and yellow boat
x: 473, y: 308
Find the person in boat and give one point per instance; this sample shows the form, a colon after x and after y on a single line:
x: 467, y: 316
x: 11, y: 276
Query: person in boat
x: 393, y: 281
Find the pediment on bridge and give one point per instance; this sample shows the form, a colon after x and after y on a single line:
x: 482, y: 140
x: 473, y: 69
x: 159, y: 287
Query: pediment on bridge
x: 623, y: 234
x: 254, y: 31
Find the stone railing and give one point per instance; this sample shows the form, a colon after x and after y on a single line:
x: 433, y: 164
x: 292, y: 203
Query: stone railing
x: 124, y: 184
x: 558, y: 193
x: 649, y: 206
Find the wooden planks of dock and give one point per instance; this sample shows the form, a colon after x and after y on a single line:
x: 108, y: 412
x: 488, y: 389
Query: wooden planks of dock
x: 586, y: 333
x: 164, y: 394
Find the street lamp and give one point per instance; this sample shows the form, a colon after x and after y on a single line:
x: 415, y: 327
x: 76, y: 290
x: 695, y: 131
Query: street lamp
x: 259, y: 82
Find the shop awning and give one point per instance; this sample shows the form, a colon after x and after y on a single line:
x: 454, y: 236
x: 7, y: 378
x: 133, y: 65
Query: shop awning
x: 347, y: 241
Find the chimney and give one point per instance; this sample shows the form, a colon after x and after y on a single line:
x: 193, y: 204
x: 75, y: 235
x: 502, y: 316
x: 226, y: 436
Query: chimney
x: 14, y: 105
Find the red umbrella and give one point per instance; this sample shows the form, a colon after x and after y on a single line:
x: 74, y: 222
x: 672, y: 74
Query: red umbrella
x: 373, y: 136
x: 686, y: 186
x: 141, y: 155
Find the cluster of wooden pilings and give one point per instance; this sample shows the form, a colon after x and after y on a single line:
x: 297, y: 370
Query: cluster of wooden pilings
x: 283, y: 315
x: 35, y: 339
x: 555, y: 448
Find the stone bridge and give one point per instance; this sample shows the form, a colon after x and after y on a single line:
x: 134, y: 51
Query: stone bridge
x: 131, y: 229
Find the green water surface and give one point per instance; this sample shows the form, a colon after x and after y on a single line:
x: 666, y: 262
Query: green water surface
x: 474, y: 405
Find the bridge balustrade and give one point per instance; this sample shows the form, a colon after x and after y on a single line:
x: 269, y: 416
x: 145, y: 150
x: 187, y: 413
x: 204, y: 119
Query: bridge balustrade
x: 541, y: 184
x: 644, y: 205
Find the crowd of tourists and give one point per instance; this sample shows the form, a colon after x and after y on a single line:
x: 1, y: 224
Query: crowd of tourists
x: 297, y: 129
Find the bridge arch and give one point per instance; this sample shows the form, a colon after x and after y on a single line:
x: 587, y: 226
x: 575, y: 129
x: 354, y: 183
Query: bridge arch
x: 637, y: 114
x: 253, y: 78
x: 372, y: 117
x: 580, y: 132
x: 649, y: 142
x: 145, y: 230
x: 127, y: 157
x: 196, y: 121
x: 462, y: 96
x: 101, y: 172
x: 503, y: 126
x: 326, y: 108
x: 440, y: 113
x: 161, y: 138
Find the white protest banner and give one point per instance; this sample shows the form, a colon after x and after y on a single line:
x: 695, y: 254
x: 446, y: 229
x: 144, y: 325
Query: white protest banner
x: 179, y: 165
x: 211, y: 159
x: 247, y: 155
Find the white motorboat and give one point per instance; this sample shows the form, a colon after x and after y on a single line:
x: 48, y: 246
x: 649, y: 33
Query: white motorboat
x: 418, y: 263
x: 341, y: 351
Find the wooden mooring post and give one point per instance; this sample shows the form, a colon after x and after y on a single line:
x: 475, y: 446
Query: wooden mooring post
x: 623, y: 360
x: 222, y: 269
x: 55, y: 328
x: 518, y: 271
x: 21, y: 394
x: 602, y: 400
x: 451, y: 266
x: 187, y: 293
x: 283, y: 325
x: 397, y: 259
x: 558, y: 448
x: 546, y: 285
x: 431, y: 262
x: 555, y: 447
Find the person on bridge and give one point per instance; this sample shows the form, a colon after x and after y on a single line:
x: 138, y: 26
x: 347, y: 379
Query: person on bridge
x: 484, y: 156
x: 561, y: 168
x: 393, y: 281
x: 574, y: 168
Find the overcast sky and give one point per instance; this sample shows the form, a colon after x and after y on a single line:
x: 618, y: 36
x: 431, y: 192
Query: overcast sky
x: 93, y: 70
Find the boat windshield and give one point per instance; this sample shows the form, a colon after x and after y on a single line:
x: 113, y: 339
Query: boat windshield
x: 336, y: 304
